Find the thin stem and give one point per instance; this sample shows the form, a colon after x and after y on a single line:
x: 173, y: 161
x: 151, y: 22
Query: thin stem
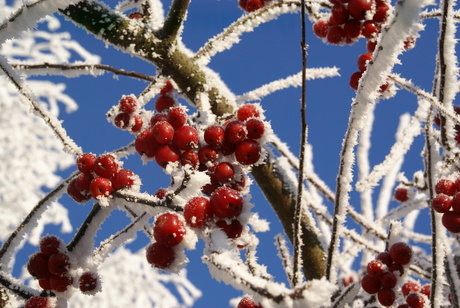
x: 174, y: 20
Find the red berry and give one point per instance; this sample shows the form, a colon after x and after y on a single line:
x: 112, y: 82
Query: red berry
x: 167, y: 88
x: 85, y: 162
x: 415, y: 300
x: 50, y: 244
x: 157, y: 118
x: 214, y: 136
x: 354, y: 79
x: 370, y: 284
x: 426, y: 289
x: 352, y: 28
x: 60, y: 283
x: 186, y: 138
x: 445, y: 186
x: 197, y: 212
x: 59, y: 264
x: 400, y: 194
x: 227, y: 148
x: 232, y: 230
x: 359, y: 8
x: 122, y: 120
x: 401, y: 253
x: 37, y: 266
x: 235, y: 131
x: 164, y: 102
x: 248, y: 152
x: 451, y: 221
x: 336, y: 35
x: 321, y: 28
x: 167, y: 154
x: 388, y: 280
x: 442, y: 203
x: 255, y: 128
x: 82, y: 182
x: 45, y: 284
x: 381, y: 12
x: 247, y: 111
x: 100, y: 187
x: 250, y: 5
x: 161, y: 193
x: 385, y: 258
x: 410, y: 286
x: 177, y: 117
x: 160, y: 256
x: 363, y: 60
x: 76, y: 194
x: 386, y: 297
x: 409, y: 43
x: 226, y: 202
x: 168, y: 229
x: 224, y: 172
x: 207, y: 154
x: 248, y: 302
x: 370, y: 46
x: 189, y: 157
x: 339, y: 14
x: 375, y: 268
x: 88, y: 282
x: 135, y: 15
x: 209, y: 188
x: 128, y: 104
x: 146, y: 144
x: 37, y: 302
x: 106, y: 165
x: 163, y: 132
x: 124, y: 178
x: 369, y: 29
x: 396, y: 267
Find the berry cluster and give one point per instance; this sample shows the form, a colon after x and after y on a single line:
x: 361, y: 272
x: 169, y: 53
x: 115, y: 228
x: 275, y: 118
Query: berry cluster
x: 51, y: 266
x: 127, y: 114
x: 383, y: 272
x: 248, y: 302
x: 39, y: 302
x: 252, y: 5
x: 447, y: 202
x: 414, y: 294
x: 99, y: 177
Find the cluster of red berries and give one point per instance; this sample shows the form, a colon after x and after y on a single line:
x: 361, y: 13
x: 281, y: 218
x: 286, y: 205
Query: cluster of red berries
x: 127, y: 114
x: 383, y: 272
x: 99, y: 177
x: 414, y: 294
x: 51, y: 267
x: 248, y: 302
x: 447, y: 202
x: 252, y: 5
x: 437, y: 121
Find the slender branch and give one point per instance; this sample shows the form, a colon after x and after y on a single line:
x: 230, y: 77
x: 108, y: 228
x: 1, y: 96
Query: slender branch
x: 82, y: 231
x: 16, y: 288
x: 174, y: 20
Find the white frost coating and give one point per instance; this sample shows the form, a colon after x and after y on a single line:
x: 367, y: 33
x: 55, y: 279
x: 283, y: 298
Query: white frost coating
x: 291, y: 81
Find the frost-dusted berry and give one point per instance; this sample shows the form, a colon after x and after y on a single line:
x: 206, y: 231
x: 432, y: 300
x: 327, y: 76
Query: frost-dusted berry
x: 164, y: 102
x: 336, y: 35
x: 339, y: 14
x: 50, y: 244
x: 169, y: 229
x: 37, y: 266
x: 233, y: 230
x: 363, y: 60
x: 451, y: 221
x: 124, y: 178
x: 82, y: 181
x: 385, y: 258
x: 359, y: 8
x: 197, y: 212
x: 226, y: 202
x: 250, y: 5
x: 370, y: 284
x: 60, y: 283
x: 106, y: 165
x: 167, y: 154
x: 186, y: 138
x: 354, y: 79
x: 76, y: 194
x: 401, y: 253
x: 426, y: 289
x: 386, y: 297
x: 375, y: 268
x: 214, y: 136
x: 442, y: 203
x: 352, y: 28
x: 161, y: 193
x: 224, y: 172
x: 396, y: 268
x: 235, y: 131
x: 247, y: 111
x: 158, y: 117
x: 37, y: 302
x: 410, y: 286
x: 163, y: 132
x: 248, y: 302
x: 128, y: 104
x: 122, y: 120
x: 255, y: 128
x: 401, y: 194
x: 85, y: 162
x: 135, y: 15
x: 369, y: 29
x: 445, y: 186
x: 388, y: 280
x: 247, y: 152
x: 381, y: 12
x: 415, y: 300
x: 136, y: 124
x: 177, y: 117
x: 207, y: 154
x: 88, y: 282
x: 189, y: 157
x: 321, y: 28
x: 160, y: 256
x: 146, y: 144
x: 59, y: 264
x: 100, y: 187
x: 167, y: 88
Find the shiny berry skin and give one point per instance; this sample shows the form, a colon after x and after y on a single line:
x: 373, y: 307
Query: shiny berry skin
x: 385, y: 258
x: 381, y: 12
x: 122, y: 120
x: 189, y: 157
x: 370, y: 45
x: 226, y: 202
x: 37, y: 266
x: 214, y: 136
x: 321, y: 28
x: 250, y: 5
x: 167, y: 88
x: 167, y: 154
x: 352, y: 28
x: 60, y: 283
x: 386, y: 297
x: 158, y: 117
x: 445, y: 186
x: 177, y: 117
x: 146, y: 144
x: 370, y: 284
x: 124, y: 178
x: 363, y: 60
x: 50, y: 244
x: 186, y: 138
x: 369, y: 29
x: 59, y: 264
x: 163, y: 132
x: 169, y: 229
x: 339, y: 14
x: 88, y: 282
x: 207, y: 154
x: 37, y: 302
x: 388, y: 280
x: 100, y: 187
x: 135, y: 15
x: 160, y: 256
x: 248, y: 302
x: 415, y: 300
x: 247, y: 111
x: 224, y: 172
x: 255, y: 128
x: 82, y: 181
x: 451, y: 221
x: 359, y: 8
x: 375, y: 268
x: 235, y: 131
x: 106, y: 166
x: 85, y: 162
x: 197, y: 212
x: 128, y: 104
x: 232, y: 230
x: 45, y: 284
x: 400, y: 194
x: 354, y: 79
x: 396, y: 268
x: 76, y: 194
x: 401, y: 253
x: 248, y: 152
x: 410, y: 286
x: 442, y: 203
x: 336, y: 35
x: 164, y: 102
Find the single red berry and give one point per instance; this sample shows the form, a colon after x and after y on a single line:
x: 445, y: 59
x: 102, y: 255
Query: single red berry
x: 186, y: 138
x: 352, y: 28
x: 339, y: 14
x: 442, y: 203
x: 359, y: 8
x: 226, y: 202
x: 354, y: 79
x: 161, y: 193
x: 128, y: 104
x: 88, y: 282
x: 177, y: 117
x: 363, y: 60
x: 100, y: 187
x: 164, y: 102
x: 163, y: 132
x: 76, y: 194
x: 214, y: 136
x: 385, y: 258
x: 37, y: 266
x: 197, y: 212
x: 396, y: 268
x: 401, y: 253
x: 400, y: 194
x: 248, y: 302
x: 85, y: 162
x: 168, y: 229
x: 146, y: 144
x: 232, y: 230
x: 388, y: 280
x: 158, y: 117
x: 135, y: 15
x: 37, y: 302
x: 250, y: 5
x: 321, y: 28
x: 189, y: 157
x: 167, y: 154
x: 410, y: 286
x: 50, y: 244
x: 124, y: 178
x: 136, y: 124
x: 247, y: 111
x: 106, y: 165
x: 255, y: 128
x: 370, y: 45
x: 445, y: 186
x: 381, y: 12
x: 82, y: 182
x: 248, y: 152
x: 336, y: 35
x: 375, y: 268
x: 224, y: 172
x: 235, y: 131
x: 59, y: 264
x: 386, y: 297
x: 122, y: 120
x: 426, y: 289
x: 370, y: 284
x: 45, y: 284
x: 167, y: 88
x: 415, y: 300
x: 451, y: 221
x: 207, y: 154
x: 160, y: 256
x: 60, y: 283
x: 227, y: 148
x: 210, y: 187
x: 369, y: 29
